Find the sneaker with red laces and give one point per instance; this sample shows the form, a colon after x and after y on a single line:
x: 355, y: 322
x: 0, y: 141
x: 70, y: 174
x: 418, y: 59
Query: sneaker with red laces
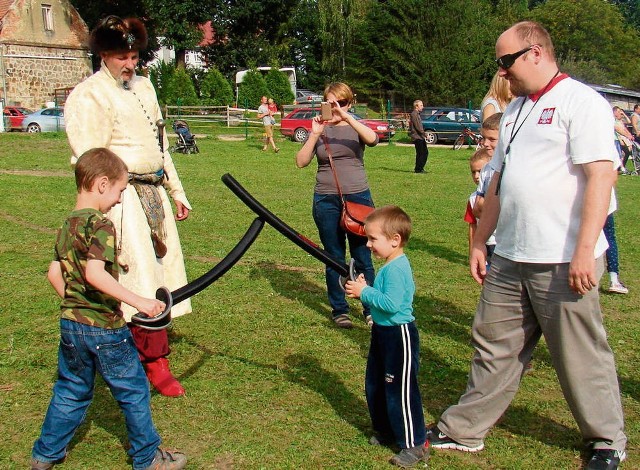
x: 168, y: 460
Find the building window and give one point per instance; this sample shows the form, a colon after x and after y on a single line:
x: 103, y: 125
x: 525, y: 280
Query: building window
x: 47, y: 17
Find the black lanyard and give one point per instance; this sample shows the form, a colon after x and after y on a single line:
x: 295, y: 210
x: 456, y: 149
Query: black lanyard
x: 514, y: 131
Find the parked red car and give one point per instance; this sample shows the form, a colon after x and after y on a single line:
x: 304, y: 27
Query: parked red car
x: 297, y: 124
x: 13, y: 117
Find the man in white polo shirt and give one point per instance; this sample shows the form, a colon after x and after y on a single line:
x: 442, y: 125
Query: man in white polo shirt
x: 547, y: 201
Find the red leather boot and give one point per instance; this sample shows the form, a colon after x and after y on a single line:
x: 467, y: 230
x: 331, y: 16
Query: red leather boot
x: 161, y: 378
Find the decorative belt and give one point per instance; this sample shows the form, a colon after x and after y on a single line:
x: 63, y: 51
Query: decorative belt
x: 146, y: 186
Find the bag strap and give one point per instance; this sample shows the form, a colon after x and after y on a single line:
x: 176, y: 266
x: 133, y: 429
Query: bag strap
x: 333, y: 169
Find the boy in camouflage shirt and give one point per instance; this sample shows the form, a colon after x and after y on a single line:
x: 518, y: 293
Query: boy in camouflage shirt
x: 94, y: 334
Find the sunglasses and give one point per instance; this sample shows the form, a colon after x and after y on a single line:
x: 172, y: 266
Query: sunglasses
x: 343, y: 103
x: 507, y: 60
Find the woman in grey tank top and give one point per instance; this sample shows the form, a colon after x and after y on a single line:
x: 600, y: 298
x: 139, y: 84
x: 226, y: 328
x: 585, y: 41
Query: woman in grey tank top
x: 346, y: 138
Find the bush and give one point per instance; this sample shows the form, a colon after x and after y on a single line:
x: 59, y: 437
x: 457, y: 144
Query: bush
x: 160, y: 75
x: 180, y: 87
x: 253, y: 88
x: 215, y: 90
x: 279, y: 87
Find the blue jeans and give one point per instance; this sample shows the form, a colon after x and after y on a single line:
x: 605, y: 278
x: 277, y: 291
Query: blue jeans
x: 327, y: 209
x: 83, y: 350
x: 612, y: 252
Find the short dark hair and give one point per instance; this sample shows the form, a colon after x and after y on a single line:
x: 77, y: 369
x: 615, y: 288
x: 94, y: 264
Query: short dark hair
x: 392, y: 220
x: 96, y: 163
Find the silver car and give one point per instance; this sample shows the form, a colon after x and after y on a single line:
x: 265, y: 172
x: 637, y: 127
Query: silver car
x: 45, y: 120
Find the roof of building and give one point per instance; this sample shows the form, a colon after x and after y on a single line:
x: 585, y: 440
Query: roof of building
x: 4, y: 7
x: 615, y: 90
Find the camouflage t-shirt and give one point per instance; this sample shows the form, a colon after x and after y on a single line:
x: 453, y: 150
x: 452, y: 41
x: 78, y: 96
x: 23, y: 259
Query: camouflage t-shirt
x: 87, y: 234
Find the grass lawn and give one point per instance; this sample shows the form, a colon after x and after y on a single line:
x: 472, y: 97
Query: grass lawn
x: 271, y: 383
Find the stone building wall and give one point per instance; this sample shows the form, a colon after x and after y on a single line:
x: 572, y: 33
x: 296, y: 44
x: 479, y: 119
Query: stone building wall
x: 34, y: 72
x: 36, y: 57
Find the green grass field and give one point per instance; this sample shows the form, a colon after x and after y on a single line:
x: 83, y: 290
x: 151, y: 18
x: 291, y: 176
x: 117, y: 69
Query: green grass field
x: 271, y: 383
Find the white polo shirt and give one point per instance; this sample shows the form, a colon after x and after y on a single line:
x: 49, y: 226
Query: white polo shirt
x: 542, y: 185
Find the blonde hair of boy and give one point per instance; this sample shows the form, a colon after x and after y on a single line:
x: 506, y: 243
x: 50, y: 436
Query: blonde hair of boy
x: 95, y: 163
x: 393, y: 220
x: 480, y: 154
x: 492, y: 123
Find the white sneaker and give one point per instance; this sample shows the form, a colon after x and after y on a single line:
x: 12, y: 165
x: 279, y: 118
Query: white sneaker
x: 618, y: 288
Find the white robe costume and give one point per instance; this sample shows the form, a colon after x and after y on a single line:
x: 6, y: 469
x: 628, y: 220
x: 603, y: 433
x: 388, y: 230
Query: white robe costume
x: 99, y: 112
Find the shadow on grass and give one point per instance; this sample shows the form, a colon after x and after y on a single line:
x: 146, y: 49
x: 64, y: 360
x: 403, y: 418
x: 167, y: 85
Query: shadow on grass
x: 439, y: 251
x: 291, y: 284
x: 630, y: 387
x: 305, y: 371
x: 442, y: 383
x: 396, y: 170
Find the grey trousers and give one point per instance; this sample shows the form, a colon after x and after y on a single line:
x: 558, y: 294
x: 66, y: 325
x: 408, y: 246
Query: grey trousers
x: 519, y: 303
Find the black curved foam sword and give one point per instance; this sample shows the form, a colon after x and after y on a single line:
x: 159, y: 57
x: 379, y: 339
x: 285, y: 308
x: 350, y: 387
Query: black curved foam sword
x: 346, y: 271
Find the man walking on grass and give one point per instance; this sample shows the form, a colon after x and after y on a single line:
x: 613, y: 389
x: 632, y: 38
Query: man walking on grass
x: 548, y: 201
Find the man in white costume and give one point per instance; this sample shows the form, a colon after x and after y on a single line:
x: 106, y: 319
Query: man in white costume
x: 116, y: 109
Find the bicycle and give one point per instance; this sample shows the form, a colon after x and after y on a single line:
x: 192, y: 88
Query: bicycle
x: 468, y: 136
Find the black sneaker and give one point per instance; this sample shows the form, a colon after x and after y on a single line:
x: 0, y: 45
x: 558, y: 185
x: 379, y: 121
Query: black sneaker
x: 409, y: 458
x: 605, y: 459
x: 440, y: 440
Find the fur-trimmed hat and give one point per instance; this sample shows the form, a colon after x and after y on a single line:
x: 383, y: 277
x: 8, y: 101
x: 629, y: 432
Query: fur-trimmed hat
x: 116, y: 34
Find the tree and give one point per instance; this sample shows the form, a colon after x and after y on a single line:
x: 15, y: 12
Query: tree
x: 178, y: 24
x: 439, y: 51
x: 305, y: 45
x: 279, y: 87
x: 180, y: 89
x: 593, y: 31
x: 248, y: 31
x: 252, y: 89
x: 160, y: 75
x: 339, y: 20
x: 215, y: 90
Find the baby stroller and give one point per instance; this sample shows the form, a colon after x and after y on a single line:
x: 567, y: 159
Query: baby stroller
x: 186, y: 142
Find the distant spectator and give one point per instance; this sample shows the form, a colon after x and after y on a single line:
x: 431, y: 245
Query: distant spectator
x: 635, y: 122
x: 267, y: 122
x: 273, y: 110
x: 624, y: 138
x: 417, y: 134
